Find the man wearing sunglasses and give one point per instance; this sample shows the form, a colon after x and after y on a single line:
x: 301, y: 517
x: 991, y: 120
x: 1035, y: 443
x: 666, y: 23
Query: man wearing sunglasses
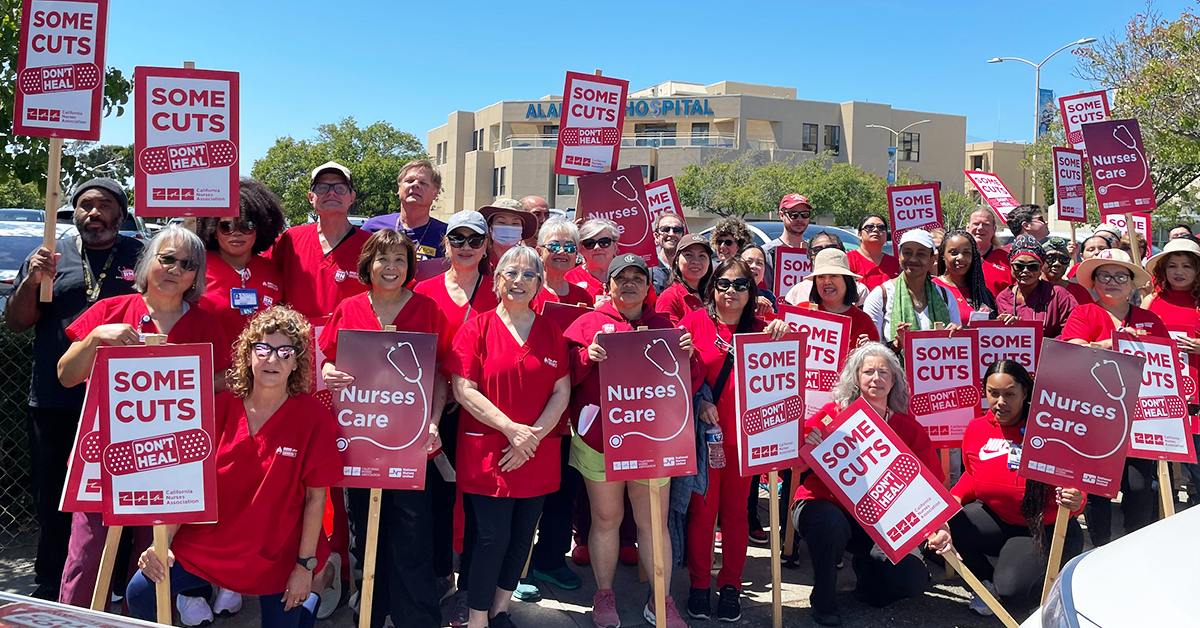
x: 668, y: 231
x: 795, y: 211
x: 418, y: 185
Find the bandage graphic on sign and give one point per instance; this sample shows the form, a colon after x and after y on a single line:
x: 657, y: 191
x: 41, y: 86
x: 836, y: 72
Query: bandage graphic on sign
x: 1175, y: 406
x: 157, y: 452
x: 1122, y: 135
x: 608, y: 137
x: 185, y: 157
x: 822, y: 380
x: 756, y: 420
x: 659, y: 346
x: 89, y: 447
x: 409, y: 364
x: 964, y: 396
x: 80, y: 77
x: 623, y: 187
x: 1037, y: 442
x: 887, y: 488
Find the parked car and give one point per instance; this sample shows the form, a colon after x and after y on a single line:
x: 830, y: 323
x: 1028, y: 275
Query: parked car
x: 17, y: 240
x: 133, y: 226
x: 14, y: 214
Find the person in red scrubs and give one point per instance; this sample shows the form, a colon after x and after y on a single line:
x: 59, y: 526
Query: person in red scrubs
x: 982, y: 226
x: 238, y: 280
x: 729, y: 298
x: 509, y: 224
x: 511, y: 375
x: 1113, y: 277
x: 835, y: 290
x: 598, y: 246
x: 558, y: 243
x: 405, y: 573
x: 275, y: 457
x: 868, y: 260
x: 874, y: 373
x: 960, y: 272
x: 629, y: 281
x: 690, y: 271
x: 1005, y: 517
x: 1032, y: 298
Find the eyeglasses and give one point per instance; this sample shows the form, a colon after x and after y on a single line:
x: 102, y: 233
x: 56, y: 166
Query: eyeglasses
x: 739, y: 285
x: 1021, y: 267
x: 675, y: 230
x: 794, y: 215
x: 474, y: 241
x: 324, y: 188
x: 1057, y: 259
x: 603, y: 243
x: 264, y: 351
x: 513, y: 275
x: 557, y: 247
x: 1106, y: 278
x: 726, y: 242
x: 874, y: 227
x: 227, y: 227
x: 186, y: 264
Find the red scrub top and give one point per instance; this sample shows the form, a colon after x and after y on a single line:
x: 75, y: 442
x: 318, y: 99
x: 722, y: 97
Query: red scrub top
x: 261, y: 481
x: 1178, y: 309
x: 420, y: 315
x: 1081, y: 294
x: 1094, y: 324
x: 518, y: 380
x: 582, y: 278
x: 860, y: 324
x: 997, y: 274
x: 677, y: 301
x: 195, y: 326
x: 708, y: 357
x: 260, y: 275
x: 575, y: 296
x: 873, y: 275
x: 315, y: 283
x: 964, y: 306
x: 455, y: 314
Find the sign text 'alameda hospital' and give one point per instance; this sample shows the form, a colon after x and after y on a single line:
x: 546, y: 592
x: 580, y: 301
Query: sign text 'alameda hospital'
x: 635, y: 108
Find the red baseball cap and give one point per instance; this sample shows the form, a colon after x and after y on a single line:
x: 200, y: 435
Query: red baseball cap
x: 792, y: 200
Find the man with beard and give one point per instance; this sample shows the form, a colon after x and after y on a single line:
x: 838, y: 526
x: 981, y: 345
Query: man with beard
x: 795, y: 211
x: 95, y: 264
x: 668, y: 231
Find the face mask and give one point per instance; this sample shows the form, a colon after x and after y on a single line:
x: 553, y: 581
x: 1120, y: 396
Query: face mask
x: 506, y: 235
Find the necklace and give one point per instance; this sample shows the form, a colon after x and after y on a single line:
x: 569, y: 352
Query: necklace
x: 93, y: 291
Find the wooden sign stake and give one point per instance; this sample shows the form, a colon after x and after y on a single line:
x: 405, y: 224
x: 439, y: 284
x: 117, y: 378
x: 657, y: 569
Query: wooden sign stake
x: 980, y: 590
x: 1056, y: 549
x: 104, y: 576
x: 773, y: 532
x: 656, y: 530
x: 789, y: 537
x: 162, y: 589
x: 1133, y: 243
x: 1166, y: 493
x: 53, y: 191
x: 372, y: 545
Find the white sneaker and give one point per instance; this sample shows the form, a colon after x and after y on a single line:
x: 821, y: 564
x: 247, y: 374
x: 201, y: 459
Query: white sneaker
x: 332, y: 595
x: 226, y: 602
x: 193, y: 611
x: 978, y: 606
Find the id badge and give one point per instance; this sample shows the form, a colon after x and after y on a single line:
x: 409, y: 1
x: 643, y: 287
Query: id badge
x: 245, y: 300
x: 1014, y: 456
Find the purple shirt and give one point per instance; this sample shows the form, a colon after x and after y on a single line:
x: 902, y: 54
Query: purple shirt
x: 1049, y: 303
x: 427, y: 237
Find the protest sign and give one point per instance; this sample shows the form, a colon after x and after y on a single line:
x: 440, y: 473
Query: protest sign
x: 1068, y: 185
x: 564, y: 313
x: 593, y: 116
x: 661, y: 198
x: 156, y: 434
x: 943, y: 372
x: 38, y: 614
x: 877, y: 478
x: 60, y: 69
x: 646, y: 406
x: 1191, y: 382
x: 186, y: 136
x: 1141, y: 224
x: 914, y: 207
x: 1084, y: 400
x: 994, y: 192
x: 828, y: 346
x: 770, y: 401
x: 1120, y: 171
x: 620, y: 196
x: 382, y: 417
x: 1079, y: 110
x: 791, y: 267
x: 1019, y: 341
x: 1161, y: 429
x: 81, y: 492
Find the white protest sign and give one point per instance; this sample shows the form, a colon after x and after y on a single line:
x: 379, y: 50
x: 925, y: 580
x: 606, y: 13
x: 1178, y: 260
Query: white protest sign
x: 791, y: 267
x: 593, y: 115
x: 770, y: 401
x: 1069, y: 192
x: 994, y: 192
x: 828, y: 348
x: 1161, y: 428
x: 661, y: 197
x: 914, y: 207
x: 942, y: 370
x: 1079, y: 110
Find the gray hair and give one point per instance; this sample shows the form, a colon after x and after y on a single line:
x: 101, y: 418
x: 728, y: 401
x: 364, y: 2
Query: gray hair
x: 847, y: 391
x: 597, y: 226
x: 558, y: 226
x: 519, y: 254
x: 185, y: 242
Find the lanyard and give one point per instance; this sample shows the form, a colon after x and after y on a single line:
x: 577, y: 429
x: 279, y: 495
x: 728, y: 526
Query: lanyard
x: 471, y: 301
x: 93, y: 291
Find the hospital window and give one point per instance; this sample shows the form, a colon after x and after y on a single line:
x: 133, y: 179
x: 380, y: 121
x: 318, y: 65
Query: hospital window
x: 976, y: 162
x: 566, y: 185
x: 833, y: 139
x: 474, y: 140
x: 700, y: 133
x: 550, y: 135
x: 910, y: 147
x: 808, y: 141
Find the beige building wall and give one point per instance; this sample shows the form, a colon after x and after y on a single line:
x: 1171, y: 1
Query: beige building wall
x: 1002, y: 159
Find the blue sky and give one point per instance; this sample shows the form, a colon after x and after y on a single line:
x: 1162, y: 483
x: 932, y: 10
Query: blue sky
x: 306, y: 63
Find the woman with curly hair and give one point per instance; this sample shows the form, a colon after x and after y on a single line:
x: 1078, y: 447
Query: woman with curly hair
x: 729, y: 236
x: 960, y: 271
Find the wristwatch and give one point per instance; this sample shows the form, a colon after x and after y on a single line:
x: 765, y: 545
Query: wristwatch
x: 309, y: 563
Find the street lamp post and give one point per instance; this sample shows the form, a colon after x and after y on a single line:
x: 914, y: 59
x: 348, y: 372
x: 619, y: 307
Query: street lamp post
x: 896, y: 134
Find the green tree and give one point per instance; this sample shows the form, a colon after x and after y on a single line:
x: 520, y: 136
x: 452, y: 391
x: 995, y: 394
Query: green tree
x: 374, y: 155
x: 13, y: 193
x: 115, y: 162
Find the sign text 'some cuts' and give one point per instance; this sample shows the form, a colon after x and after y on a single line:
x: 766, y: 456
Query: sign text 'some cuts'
x: 827, y: 347
x: 593, y: 115
x: 942, y: 370
x: 914, y: 207
x: 770, y: 401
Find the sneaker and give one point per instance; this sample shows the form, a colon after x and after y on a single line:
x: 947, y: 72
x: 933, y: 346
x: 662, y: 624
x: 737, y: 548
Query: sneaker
x: 604, y: 610
x: 461, y: 612
x: 193, y: 611
x: 444, y: 587
x: 580, y: 556
x: 527, y: 591
x: 717, y: 539
x: 978, y: 606
x: 827, y: 619
x: 758, y: 536
x: 628, y: 555
x: 227, y: 602
x: 673, y: 618
x: 562, y: 577
x: 699, y: 606
x: 501, y: 620
x: 729, y: 607
x: 332, y: 595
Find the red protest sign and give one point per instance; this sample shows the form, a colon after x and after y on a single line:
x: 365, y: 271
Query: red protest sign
x: 593, y: 116
x: 1069, y: 194
x: 914, y: 207
x: 943, y: 373
x: 620, y: 196
x: 661, y: 197
x: 646, y: 406
x: 877, y: 478
x: 564, y: 313
x: 1161, y: 428
x: 186, y: 135
x: 60, y: 68
x: 1079, y: 110
x: 994, y: 192
x: 1019, y: 341
x: 791, y: 267
x: 1120, y: 171
x: 1084, y: 400
x: 156, y: 433
x: 81, y: 492
x: 770, y: 401
x: 1190, y: 379
x: 828, y: 346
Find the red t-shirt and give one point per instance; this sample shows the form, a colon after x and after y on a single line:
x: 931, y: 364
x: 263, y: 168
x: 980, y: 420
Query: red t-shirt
x: 708, y: 358
x: 1178, y: 311
x: 315, y: 283
x: 575, y: 296
x: 582, y: 278
x: 194, y: 327
x: 260, y: 275
x: 873, y: 275
x: 420, y: 315
x: 964, y: 306
x: 997, y: 274
x: 455, y: 314
x: 677, y: 301
x: 860, y: 324
x: 1094, y: 324
x: 261, y: 480
x: 1081, y: 294
x: 518, y: 380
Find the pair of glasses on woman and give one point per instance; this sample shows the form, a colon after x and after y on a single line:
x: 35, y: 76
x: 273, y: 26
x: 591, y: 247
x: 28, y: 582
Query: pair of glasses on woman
x: 474, y: 241
x: 560, y: 247
x: 1117, y: 279
x: 186, y: 264
x: 227, y: 227
x: 603, y: 243
x: 737, y: 285
x: 1057, y: 259
x: 1021, y: 267
x: 882, y: 228
x: 264, y: 351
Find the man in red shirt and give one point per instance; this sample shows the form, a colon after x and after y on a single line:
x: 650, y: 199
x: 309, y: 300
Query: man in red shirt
x: 996, y: 273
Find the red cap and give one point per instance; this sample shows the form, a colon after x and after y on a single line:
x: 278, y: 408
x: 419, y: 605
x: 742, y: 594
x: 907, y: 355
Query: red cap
x: 792, y: 200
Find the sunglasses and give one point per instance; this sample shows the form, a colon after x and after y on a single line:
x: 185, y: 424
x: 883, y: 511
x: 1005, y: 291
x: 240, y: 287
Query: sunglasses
x: 1021, y: 267
x: 264, y: 351
x: 474, y: 241
x: 186, y: 264
x: 603, y: 243
x: 556, y: 247
x: 726, y: 242
x: 795, y: 215
x: 882, y: 228
x: 1057, y: 259
x: 675, y: 230
x: 324, y: 188
x: 227, y: 227
x: 738, y: 285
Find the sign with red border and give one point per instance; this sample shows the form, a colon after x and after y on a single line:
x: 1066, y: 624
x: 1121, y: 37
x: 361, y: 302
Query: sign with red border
x: 1120, y: 169
x: 1069, y: 191
x: 1190, y: 380
x: 994, y: 192
x: 943, y: 372
x: 620, y: 196
x: 1079, y: 110
x: 186, y: 135
x: 914, y: 207
x: 564, y: 313
x: 1161, y: 427
x: 593, y: 117
x: 770, y: 401
x: 791, y: 267
x: 661, y: 198
x: 81, y: 492
x: 1141, y: 224
x: 37, y: 614
x: 156, y: 432
x: 827, y: 347
x: 60, y: 69
x: 1019, y: 341
x: 879, y: 481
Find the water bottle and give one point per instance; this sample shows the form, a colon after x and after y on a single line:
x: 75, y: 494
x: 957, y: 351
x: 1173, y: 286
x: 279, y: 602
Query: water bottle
x: 716, y: 446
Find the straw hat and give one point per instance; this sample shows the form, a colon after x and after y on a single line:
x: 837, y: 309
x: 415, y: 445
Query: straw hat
x: 832, y: 262
x: 529, y: 224
x: 1115, y: 257
x: 1182, y: 245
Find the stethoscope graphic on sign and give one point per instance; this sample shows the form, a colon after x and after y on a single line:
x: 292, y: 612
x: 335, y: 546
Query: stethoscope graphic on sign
x: 629, y: 193
x: 1037, y: 442
x: 403, y: 347
x: 616, y: 439
x: 1127, y: 140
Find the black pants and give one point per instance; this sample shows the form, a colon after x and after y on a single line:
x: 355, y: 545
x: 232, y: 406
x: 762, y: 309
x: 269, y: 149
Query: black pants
x: 504, y: 529
x: 1019, y: 571
x: 558, y: 514
x: 829, y: 532
x: 1139, y: 502
x: 785, y: 477
x: 404, y: 580
x: 443, y: 495
x: 51, y: 435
